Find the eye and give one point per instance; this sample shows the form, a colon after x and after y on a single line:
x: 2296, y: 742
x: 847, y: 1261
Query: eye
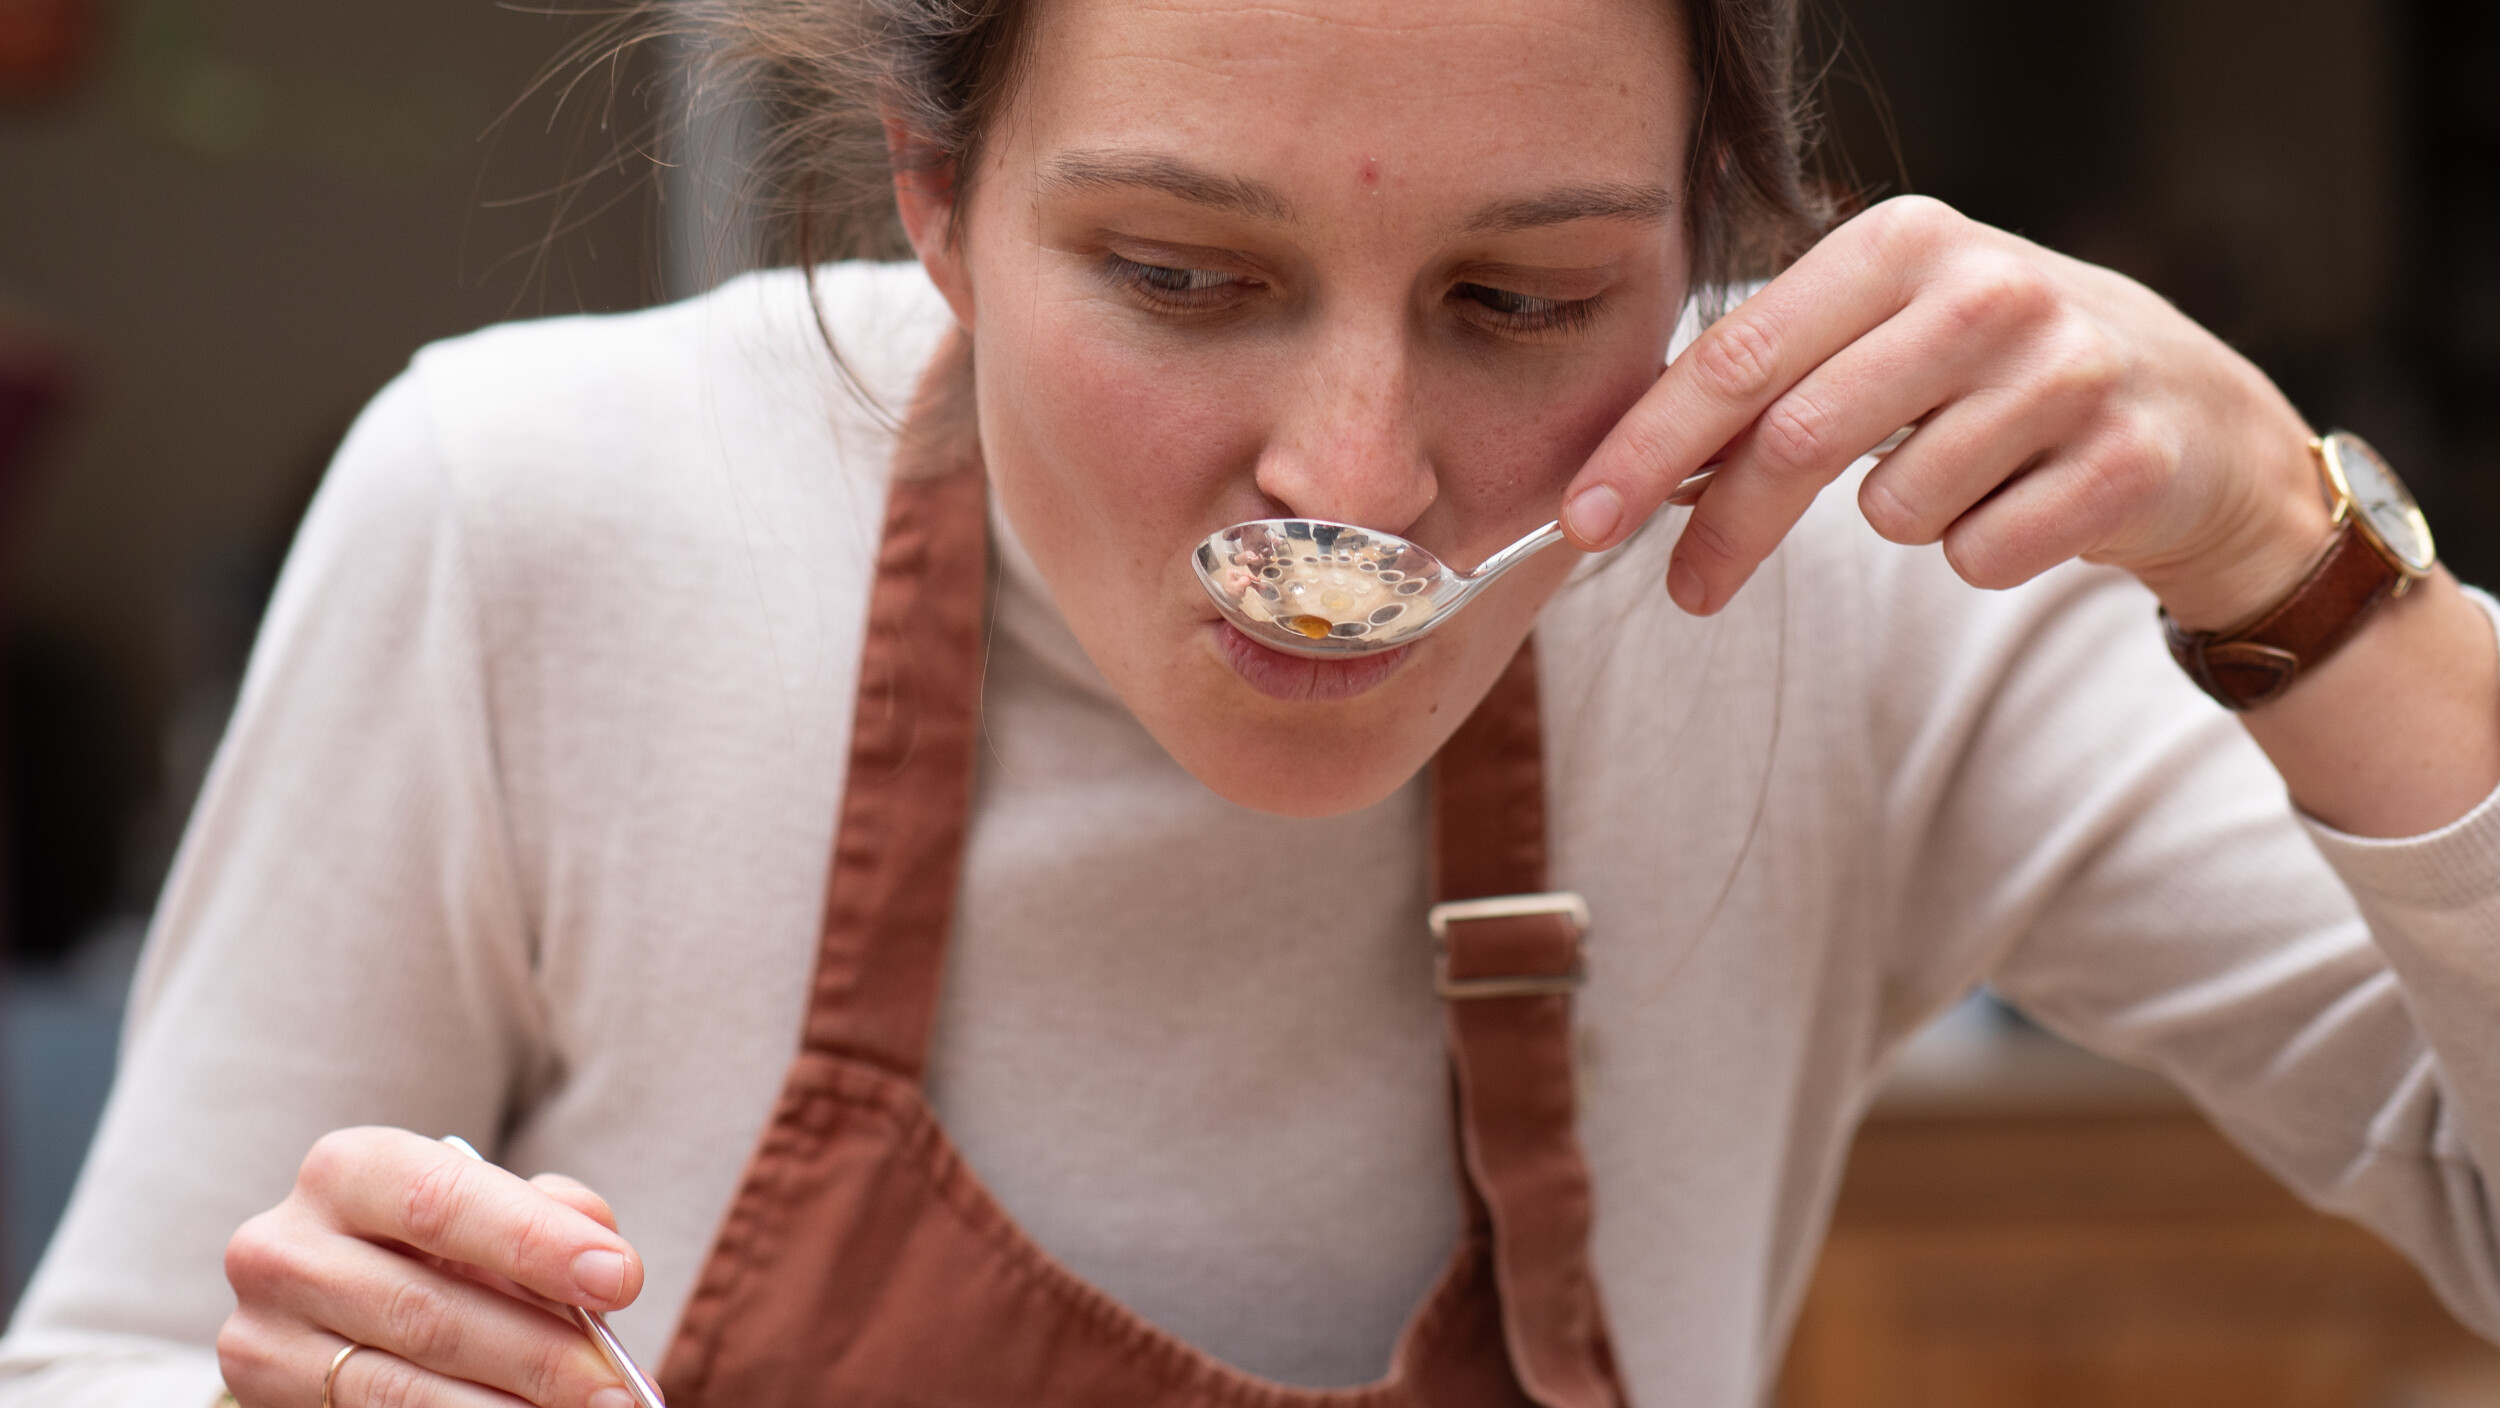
x: 1507, y: 311
x: 1175, y: 289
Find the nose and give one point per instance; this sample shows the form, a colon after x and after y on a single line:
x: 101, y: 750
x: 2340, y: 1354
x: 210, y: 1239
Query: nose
x: 1347, y: 443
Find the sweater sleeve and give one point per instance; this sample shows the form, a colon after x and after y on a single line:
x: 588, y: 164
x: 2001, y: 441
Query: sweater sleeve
x: 341, y: 941
x: 2433, y: 901
x: 2076, y: 823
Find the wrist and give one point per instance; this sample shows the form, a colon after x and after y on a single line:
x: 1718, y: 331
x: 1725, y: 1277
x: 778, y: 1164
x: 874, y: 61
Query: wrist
x: 2399, y: 733
x: 2265, y: 546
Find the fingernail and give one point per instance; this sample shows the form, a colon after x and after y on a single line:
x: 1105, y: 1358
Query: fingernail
x: 1684, y: 584
x: 611, y: 1398
x: 600, y: 1275
x: 1593, y: 513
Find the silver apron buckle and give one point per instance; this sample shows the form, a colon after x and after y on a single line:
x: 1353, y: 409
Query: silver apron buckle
x: 1564, y: 903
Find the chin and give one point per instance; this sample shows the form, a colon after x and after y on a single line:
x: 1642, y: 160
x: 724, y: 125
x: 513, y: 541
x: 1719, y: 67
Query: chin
x: 1291, y: 736
x: 1290, y: 779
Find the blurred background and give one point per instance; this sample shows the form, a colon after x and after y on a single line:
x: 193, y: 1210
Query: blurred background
x: 223, y: 225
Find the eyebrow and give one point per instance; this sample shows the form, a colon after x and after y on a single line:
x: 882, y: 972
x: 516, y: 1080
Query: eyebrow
x: 1094, y: 171
x: 1609, y: 201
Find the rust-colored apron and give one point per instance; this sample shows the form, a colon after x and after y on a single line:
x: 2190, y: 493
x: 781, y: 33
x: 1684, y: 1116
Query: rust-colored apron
x: 862, y: 1265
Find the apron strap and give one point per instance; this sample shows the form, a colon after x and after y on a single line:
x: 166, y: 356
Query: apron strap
x: 898, y: 850
x: 1510, y: 958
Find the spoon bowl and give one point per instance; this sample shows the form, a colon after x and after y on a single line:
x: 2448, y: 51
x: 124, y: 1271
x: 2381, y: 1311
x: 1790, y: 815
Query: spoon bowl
x: 1325, y: 590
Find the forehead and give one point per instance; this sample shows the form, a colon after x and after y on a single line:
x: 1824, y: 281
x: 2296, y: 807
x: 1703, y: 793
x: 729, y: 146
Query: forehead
x: 1423, y: 87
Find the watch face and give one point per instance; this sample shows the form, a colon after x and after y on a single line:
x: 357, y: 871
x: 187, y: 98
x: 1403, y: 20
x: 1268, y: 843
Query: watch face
x: 2383, y: 503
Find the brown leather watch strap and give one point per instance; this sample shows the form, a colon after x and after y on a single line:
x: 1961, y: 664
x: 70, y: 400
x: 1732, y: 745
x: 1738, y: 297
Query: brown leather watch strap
x: 2254, y: 662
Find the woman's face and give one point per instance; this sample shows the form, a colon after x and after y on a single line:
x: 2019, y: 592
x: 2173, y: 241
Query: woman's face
x: 1391, y: 264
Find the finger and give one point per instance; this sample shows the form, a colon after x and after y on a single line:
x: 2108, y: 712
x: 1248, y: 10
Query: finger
x: 448, y: 1325
x: 403, y: 1187
x: 1959, y: 455
x: 372, y: 1378
x: 572, y: 1194
x: 1858, y: 277
x: 500, y: 1285
x: 577, y: 1195
x: 1895, y: 374
x: 266, y: 1364
x: 1965, y: 451
x: 2067, y: 506
x: 568, y: 1191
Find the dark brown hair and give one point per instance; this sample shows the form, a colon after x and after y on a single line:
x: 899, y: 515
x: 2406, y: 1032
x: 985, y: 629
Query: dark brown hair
x: 830, y: 73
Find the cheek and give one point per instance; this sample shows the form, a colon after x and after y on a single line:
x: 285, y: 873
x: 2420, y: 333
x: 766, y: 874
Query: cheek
x: 1156, y: 439
x: 1113, y: 462
x: 1506, y: 445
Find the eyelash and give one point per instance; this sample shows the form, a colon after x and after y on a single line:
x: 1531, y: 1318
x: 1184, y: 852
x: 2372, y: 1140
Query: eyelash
x: 1183, y: 290
x: 1518, y: 312
x: 1177, y: 290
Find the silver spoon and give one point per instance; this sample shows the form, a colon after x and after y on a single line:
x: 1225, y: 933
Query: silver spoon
x: 1310, y: 587
x: 1325, y: 590
x: 592, y: 1323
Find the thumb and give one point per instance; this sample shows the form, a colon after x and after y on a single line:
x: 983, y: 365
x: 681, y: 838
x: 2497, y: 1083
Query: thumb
x: 575, y: 1194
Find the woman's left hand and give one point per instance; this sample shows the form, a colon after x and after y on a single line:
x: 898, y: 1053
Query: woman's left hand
x: 2062, y: 410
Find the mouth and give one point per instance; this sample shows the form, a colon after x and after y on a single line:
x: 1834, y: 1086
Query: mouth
x: 1297, y: 680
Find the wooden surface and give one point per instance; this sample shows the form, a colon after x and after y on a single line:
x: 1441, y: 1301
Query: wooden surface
x: 2108, y: 1258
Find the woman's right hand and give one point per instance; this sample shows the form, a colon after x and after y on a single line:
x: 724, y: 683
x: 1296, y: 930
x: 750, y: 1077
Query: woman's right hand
x: 452, y: 1273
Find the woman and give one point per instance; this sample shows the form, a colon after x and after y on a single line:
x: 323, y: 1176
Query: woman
x: 520, y: 833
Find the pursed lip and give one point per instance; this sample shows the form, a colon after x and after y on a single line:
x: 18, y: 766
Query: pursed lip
x: 1297, y: 680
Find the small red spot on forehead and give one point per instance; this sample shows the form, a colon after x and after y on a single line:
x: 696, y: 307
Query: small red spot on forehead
x: 1371, y: 171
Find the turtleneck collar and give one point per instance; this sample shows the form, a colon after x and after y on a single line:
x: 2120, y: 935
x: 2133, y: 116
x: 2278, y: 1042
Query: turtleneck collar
x: 1028, y: 616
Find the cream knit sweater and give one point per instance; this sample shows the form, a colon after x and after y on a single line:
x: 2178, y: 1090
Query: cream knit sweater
x: 522, y: 825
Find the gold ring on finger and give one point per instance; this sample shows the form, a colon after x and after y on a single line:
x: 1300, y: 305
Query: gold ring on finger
x: 330, y: 1380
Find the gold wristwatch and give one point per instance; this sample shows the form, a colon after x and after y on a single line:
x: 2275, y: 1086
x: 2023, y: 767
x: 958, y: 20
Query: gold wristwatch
x: 2382, y: 546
